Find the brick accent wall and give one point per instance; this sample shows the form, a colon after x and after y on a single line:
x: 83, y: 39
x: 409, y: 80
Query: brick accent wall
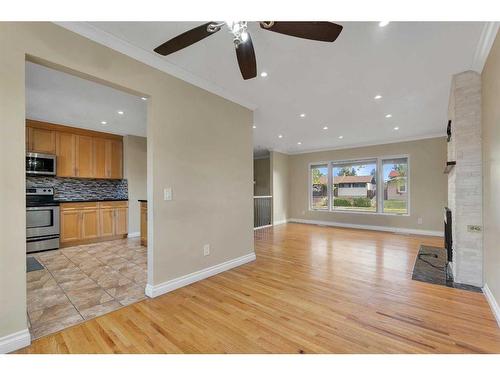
x: 465, y: 181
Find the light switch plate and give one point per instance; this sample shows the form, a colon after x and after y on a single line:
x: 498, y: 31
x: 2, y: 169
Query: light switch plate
x: 206, y: 250
x: 167, y: 194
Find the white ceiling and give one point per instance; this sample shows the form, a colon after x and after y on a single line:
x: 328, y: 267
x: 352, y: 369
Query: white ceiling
x: 61, y: 98
x: 409, y: 63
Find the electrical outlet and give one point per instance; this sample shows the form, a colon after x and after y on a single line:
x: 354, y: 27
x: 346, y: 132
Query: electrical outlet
x: 419, y: 220
x: 473, y: 228
x: 167, y: 194
x: 206, y: 250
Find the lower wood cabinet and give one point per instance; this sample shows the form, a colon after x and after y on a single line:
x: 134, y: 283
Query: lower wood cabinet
x: 144, y: 223
x: 86, y: 222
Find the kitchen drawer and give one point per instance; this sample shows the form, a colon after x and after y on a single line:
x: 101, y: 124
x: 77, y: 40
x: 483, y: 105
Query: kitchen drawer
x: 78, y: 206
x: 113, y: 204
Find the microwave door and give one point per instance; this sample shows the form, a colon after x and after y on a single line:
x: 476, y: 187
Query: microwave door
x: 40, y: 164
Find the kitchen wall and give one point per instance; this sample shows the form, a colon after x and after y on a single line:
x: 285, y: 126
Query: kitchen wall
x: 428, y: 185
x: 280, y: 187
x: 490, y: 81
x: 135, y: 171
x: 191, y: 138
x: 261, y: 177
x: 81, y: 189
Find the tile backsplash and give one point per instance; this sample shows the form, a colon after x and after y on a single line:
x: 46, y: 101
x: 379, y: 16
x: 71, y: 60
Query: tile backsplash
x: 73, y: 189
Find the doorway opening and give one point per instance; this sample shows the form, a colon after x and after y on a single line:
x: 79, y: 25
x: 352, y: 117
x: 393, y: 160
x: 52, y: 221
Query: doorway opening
x: 94, y: 260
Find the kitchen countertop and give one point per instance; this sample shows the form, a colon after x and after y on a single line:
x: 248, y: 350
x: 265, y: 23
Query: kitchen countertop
x: 143, y: 200
x: 90, y: 200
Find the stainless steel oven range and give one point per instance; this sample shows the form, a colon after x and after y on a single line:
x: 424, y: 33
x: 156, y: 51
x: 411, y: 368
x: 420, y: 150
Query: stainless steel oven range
x: 42, y: 219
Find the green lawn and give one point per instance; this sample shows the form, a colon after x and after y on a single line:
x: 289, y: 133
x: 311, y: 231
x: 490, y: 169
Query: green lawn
x: 395, y: 206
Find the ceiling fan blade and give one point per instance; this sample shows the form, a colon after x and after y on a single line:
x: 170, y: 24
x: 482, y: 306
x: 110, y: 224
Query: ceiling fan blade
x: 185, y: 39
x: 314, y: 30
x: 246, y: 59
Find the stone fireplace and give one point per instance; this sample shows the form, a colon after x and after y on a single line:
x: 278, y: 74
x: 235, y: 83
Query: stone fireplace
x: 465, y: 193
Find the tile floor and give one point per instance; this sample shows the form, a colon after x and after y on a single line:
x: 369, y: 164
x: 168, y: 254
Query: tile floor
x: 83, y: 282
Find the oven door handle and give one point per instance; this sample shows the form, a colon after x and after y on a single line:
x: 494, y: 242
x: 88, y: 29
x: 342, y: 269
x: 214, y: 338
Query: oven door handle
x: 51, y: 208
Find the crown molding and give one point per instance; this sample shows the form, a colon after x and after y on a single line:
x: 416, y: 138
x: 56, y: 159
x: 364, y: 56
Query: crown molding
x: 488, y: 35
x: 109, y: 40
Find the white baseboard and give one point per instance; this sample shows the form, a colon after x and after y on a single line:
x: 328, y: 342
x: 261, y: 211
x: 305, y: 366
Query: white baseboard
x: 420, y: 232
x: 157, y: 290
x: 279, y: 222
x: 493, y: 303
x: 133, y: 234
x: 264, y: 226
x: 14, y: 341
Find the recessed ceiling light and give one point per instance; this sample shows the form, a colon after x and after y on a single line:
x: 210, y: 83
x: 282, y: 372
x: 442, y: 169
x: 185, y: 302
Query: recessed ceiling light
x: 341, y: 136
x: 299, y: 143
x: 388, y: 116
x: 377, y: 97
x: 396, y: 128
x: 325, y: 127
x: 263, y: 74
x: 103, y: 122
x: 144, y: 98
x: 280, y: 136
x: 302, y: 115
x: 254, y: 126
x: 121, y: 112
x: 383, y: 23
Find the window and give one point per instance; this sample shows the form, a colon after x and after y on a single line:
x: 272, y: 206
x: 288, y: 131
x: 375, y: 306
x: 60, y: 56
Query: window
x: 354, y: 186
x: 319, y: 187
x: 395, y: 174
x: 378, y: 185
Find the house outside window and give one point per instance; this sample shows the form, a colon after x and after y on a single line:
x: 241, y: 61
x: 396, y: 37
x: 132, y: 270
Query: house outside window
x: 351, y: 186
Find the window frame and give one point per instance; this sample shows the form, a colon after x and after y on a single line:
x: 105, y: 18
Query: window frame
x: 379, y: 178
x: 328, y: 188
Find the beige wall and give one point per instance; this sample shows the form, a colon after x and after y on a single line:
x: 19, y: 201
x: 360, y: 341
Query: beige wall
x: 428, y: 184
x: 491, y: 168
x: 261, y: 177
x: 279, y: 186
x: 135, y: 171
x: 191, y: 135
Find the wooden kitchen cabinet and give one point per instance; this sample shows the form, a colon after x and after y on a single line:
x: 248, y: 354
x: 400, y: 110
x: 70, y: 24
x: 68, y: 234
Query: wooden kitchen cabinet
x: 114, y: 158
x: 42, y: 141
x: 87, y: 222
x: 121, y: 220
x: 66, y: 154
x: 107, y: 222
x: 144, y: 223
x: 84, y: 156
x: 100, y: 166
x: 80, y: 152
x: 70, y: 226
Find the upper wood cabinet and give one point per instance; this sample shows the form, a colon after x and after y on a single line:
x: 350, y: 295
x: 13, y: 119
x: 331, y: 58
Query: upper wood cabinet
x: 114, y: 158
x: 66, y: 154
x: 84, y: 152
x: 40, y: 140
x: 80, y: 153
x: 100, y: 167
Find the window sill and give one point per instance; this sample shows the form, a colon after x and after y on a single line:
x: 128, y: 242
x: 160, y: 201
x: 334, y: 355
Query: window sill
x: 358, y: 212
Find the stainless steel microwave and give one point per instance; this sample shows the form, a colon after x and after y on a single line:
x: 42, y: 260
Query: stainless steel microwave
x: 40, y: 164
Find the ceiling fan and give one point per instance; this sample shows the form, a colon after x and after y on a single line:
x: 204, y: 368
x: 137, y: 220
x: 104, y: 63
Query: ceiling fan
x: 245, y: 54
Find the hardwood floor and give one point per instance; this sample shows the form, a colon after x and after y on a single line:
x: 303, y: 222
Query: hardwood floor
x: 313, y: 290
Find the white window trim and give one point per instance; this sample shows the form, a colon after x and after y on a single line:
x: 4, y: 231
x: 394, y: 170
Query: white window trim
x: 380, y: 192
